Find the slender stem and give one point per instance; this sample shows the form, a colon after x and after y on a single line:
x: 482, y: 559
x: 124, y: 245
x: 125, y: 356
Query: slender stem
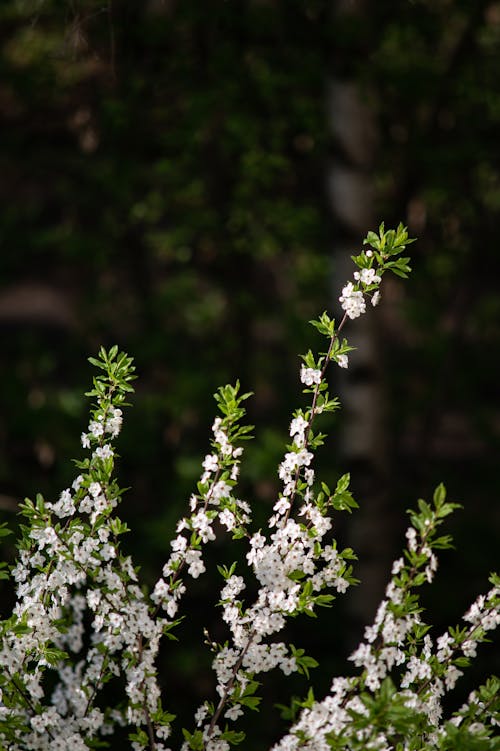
x: 230, y: 683
x: 333, y: 339
x: 151, y: 732
x: 313, y: 413
x: 252, y: 634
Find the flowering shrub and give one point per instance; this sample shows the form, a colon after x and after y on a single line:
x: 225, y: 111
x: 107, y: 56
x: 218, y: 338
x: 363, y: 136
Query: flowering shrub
x: 82, y: 618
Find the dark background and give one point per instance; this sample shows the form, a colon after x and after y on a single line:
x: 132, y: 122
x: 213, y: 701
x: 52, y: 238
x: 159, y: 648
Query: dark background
x: 164, y: 185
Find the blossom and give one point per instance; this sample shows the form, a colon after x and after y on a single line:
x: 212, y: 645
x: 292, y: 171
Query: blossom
x: 411, y: 536
x: 342, y: 361
x: 96, y: 428
x: 201, y: 523
x: 77, y: 482
x: 228, y: 519
x: 114, y: 422
x: 65, y: 506
x: 397, y: 566
x: 309, y: 476
x: 195, y: 563
x: 298, y: 427
x: 234, y: 585
x: 367, y: 276
x: 233, y: 712
x: 72, y: 574
x: 104, y: 452
x: 95, y: 489
x: 341, y: 584
x: 200, y: 714
x: 445, y: 647
x: 451, y: 676
x: 220, y: 490
x: 179, y: 544
x: 281, y: 506
x: 352, y: 301
x: 308, y: 376
x: 210, y: 463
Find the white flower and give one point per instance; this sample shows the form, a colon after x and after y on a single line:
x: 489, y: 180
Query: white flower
x: 474, y: 613
x: 411, y: 536
x: 352, y: 301
x: 376, y: 298
x: 476, y: 727
x: 210, y: 464
x: 398, y: 566
x: 258, y: 540
x: 341, y: 584
x: 228, y: 519
x: 342, y: 361
x: 201, y: 523
x: 469, y: 648
x: 65, y: 505
x: 108, y: 551
x: 95, y: 489
x: 45, y: 536
x: 309, y: 476
x: 114, y: 422
x: 200, y: 714
x: 220, y: 490
x: 309, y: 375
x: 298, y: 426
x: 367, y: 276
x: 195, y: 563
x: 104, y: 452
x: 193, y: 502
x: 451, y: 676
x: 179, y: 544
x: 77, y: 482
x: 96, y: 428
x: 233, y: 712
x: 233, y: 586
x: 281, y: 506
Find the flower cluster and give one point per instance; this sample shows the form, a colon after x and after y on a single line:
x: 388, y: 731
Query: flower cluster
x: 215, y: 501
x: 399, y: 651
x: 353, y: 301
x: 352, y: 297
x: 372, y: 264
x: 70, y: 569
x: 82, y: 618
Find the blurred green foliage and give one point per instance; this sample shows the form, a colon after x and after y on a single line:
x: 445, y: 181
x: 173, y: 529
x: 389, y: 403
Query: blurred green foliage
x: 162, y: 175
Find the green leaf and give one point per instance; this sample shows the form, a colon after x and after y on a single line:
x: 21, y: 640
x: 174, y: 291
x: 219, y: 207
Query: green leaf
x: 343, y: 483
x: 439, y: 495
x: 194, y: 740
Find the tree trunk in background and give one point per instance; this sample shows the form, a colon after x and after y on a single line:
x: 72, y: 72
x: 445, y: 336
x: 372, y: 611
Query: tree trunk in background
x: 362, y: 438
